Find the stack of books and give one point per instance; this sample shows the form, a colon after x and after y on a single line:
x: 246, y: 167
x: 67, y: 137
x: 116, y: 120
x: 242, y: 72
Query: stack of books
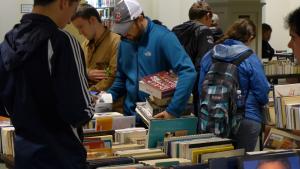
x: 160, y: 85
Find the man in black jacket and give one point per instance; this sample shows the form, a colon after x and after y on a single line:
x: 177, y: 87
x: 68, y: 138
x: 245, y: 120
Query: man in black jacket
x: 43, y: 87
x: 196, y: 37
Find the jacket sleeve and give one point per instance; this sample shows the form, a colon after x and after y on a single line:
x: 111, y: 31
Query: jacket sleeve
x: 182, y: 65
x: 118, y: 88
x: 204, y: 67
x: 106, y: 83
x: 70, y: 83
x: 2, y: 79
x: 259, y: 84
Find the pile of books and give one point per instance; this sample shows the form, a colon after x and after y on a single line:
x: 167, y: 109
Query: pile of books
x: 160, y: 85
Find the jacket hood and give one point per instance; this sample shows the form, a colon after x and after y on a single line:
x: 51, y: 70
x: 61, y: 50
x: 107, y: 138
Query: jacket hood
x: 187, y: 29
x: 229, y: 50
x: 23, y: 40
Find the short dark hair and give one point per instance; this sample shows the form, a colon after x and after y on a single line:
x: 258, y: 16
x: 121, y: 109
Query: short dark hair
x: 47, y: 2
x: 241, y: 30
x: 199, y: 9
x: 266, y: 27
x: 86, y: 11
x: 284, y: 161
x: 293, y: 21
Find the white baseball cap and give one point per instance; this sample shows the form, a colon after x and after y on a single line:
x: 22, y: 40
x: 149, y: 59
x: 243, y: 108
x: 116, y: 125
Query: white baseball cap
x: 125, y: 12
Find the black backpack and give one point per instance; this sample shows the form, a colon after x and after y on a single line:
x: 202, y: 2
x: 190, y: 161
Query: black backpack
x: 218, y: 111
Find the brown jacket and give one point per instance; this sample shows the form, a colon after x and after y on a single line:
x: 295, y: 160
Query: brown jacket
x: 102, y: 54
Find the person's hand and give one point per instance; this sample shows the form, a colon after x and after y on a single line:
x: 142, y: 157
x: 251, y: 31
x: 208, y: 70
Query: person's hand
x: 164, y: 115
x: 96, y: 75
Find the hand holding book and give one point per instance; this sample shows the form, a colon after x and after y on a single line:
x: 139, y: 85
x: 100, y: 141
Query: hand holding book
x: 164, y: 115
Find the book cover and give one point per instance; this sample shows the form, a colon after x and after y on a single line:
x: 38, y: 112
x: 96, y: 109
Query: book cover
x: 160, y: 85
x: 279, y: 139
x: 104, y: 123
x: 158, y: 128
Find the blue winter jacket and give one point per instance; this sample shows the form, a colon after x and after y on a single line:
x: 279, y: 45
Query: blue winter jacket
x: 158, y: 50
x: 251, y: 75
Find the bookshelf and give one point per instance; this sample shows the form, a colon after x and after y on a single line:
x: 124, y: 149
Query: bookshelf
x: 105, y: 9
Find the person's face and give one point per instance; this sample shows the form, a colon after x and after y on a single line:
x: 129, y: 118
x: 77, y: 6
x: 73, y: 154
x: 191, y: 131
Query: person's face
x: 272, y: 165
x: 86, y: 27
x: 267, y: 35
x: 294, y: 44
x: 136, y: 30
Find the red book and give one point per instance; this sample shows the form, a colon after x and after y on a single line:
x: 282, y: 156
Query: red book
x: 160, y: 85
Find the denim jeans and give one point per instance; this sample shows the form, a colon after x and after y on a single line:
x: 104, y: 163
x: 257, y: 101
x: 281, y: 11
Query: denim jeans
x: 247, y: 135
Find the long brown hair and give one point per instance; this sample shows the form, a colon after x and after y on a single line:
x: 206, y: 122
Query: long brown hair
x: 241, y: 30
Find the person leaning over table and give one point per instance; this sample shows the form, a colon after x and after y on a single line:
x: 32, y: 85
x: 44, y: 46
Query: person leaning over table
x: 100, y: 50
x: 147, y: 48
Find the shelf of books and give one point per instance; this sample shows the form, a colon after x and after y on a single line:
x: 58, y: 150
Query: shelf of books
x: 105, y: 8
x: 277, y: 69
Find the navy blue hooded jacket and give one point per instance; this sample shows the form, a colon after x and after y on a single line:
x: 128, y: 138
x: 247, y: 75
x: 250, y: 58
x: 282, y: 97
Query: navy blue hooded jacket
x: 252, y: 78
x: 43, y: 87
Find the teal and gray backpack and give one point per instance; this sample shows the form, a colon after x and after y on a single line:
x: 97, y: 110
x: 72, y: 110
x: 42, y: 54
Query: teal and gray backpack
x: 219, y: 111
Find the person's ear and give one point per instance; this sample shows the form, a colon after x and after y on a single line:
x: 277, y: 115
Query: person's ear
x: 63, y: 4
x: 93, y: 20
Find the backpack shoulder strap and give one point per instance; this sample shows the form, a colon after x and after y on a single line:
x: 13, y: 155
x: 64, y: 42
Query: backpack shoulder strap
x: 244, y: 56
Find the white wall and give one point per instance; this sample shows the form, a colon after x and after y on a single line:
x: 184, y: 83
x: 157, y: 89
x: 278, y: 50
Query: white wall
x: 170, y: 12
x: 10, y: 14
x: 274, y: 13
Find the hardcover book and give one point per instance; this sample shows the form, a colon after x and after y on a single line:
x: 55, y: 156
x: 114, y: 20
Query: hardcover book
x: 160, y: 85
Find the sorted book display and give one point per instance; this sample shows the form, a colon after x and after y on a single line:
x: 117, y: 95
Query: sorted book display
x: 169, y: 140
x: 160, y: 85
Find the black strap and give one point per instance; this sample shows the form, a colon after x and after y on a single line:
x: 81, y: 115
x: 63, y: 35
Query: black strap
x: 243, y: 56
